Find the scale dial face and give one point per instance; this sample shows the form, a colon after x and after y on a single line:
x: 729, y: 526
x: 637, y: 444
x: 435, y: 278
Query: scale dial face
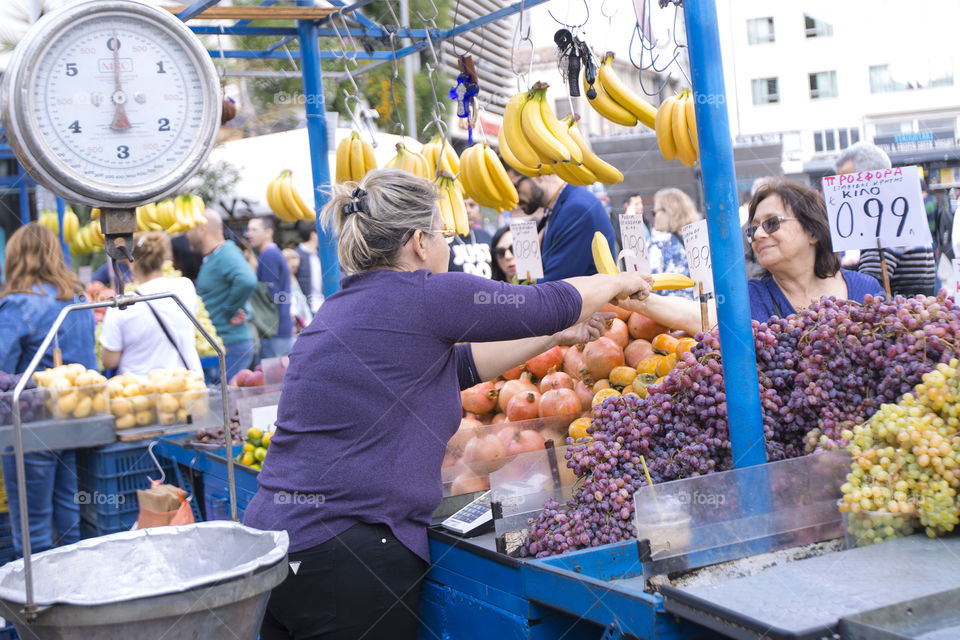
x: 111, y: 103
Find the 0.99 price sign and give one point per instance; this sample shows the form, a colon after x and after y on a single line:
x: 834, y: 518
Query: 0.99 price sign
x: 526, y: 249
x: 697, y: 246
x: 884, y: 205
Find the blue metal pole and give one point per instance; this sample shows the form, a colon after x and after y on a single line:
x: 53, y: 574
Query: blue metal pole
x: 61, y: 210
x: 24, y: 195
x: 723, y: 227
x: 317, y: 133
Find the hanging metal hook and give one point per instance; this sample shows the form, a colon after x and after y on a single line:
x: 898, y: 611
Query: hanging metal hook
x: 223, y: 60
x: 603, y: 10
x: 352, y: 56
x: 570, y: 26
x: 163, y: 474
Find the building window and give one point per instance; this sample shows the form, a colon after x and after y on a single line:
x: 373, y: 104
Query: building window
x: 818, y: 141
x: 760, y: 30
x: 854, y: 136
x: 830, y: 140
x: 823, y: 85
x: 904, y: 77
x: 765, y: 91
x: 816, y: 28
x: 844, y: 142
x: 834, y: 139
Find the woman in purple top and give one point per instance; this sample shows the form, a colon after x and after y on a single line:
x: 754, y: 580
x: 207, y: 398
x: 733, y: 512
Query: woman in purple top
x: 788, y: 231
x: 371, y: 397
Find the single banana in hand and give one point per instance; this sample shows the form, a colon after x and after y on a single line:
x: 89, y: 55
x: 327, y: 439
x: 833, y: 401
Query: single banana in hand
x: 602, y: 257
x: 663, y: 281
x: 614, y: 87
x: 664, y: 129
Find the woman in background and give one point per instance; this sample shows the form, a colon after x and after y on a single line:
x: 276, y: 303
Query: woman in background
x: 673, y: 210
x: 39, y: 285
x: 503, y: 268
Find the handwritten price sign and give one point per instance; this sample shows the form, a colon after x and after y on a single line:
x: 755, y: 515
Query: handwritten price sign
x: 633, y: 237
x: 526, y: 249
x: 697, y: 245
x: 870, y: 205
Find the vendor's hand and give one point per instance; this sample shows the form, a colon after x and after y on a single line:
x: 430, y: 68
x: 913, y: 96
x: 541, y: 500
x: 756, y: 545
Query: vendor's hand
x: 635, y: 284
x: 590, y: 329
x: 239, y: 318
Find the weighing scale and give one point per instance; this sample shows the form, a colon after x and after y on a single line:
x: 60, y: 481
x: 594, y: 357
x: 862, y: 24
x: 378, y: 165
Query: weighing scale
x: 111, y: 104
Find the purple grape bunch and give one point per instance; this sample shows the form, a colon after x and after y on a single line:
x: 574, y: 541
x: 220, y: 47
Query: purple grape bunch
x: 31, y: 404
x: 820, y: 371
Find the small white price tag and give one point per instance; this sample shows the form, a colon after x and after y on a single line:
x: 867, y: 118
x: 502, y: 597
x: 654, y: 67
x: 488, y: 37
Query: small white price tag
x: 526, y: 249
x: 885, y: 204
x: 264, y: 418
x: 634, y: 241
x: 697, y: 245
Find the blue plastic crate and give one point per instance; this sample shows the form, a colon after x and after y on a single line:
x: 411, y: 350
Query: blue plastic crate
x: 8, y: 632
x: 6, y: 542
x: 216, y: 494
x: 108, y: 480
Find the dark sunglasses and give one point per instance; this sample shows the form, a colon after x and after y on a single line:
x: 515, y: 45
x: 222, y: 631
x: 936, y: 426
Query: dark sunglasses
x: 501, y: 252
x: 770, y: 226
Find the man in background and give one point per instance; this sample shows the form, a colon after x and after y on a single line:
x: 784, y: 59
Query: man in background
x: 225, y: 283
x: 309, y: 275
x: 472, y: 254
x: 273, y: 272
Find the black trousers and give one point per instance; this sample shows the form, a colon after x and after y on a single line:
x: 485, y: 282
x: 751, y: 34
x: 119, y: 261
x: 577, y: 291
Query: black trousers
x: 361, y: 585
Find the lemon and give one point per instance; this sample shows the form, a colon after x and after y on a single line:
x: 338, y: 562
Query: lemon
x: 247, y: 459
x: 259, y: 453
x: 254, y: 434
x: 265, y: 440
x: 248, y: 447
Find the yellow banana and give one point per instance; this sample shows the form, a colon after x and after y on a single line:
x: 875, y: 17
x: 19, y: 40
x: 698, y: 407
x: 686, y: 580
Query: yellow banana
x: 166, y: 215
x: 305, y: 211
x: 681, y: 135
x: 662, y: 281
x: 614, y: 87
x: 96, y: 233
x: 498, y: 176
x: 199, y: 209
x: 460, y: 221
x: 606, y: 106
x: 664, y: 128
x: 559, y: 131
x: 343, y: 159
x: 512, y: 130
x: 71, y: 224
x: 429, y: 153
x: 356, y: 158
x: 272, y: 195
x: 576, y: 174
x: 603, y: 171
x: 444, y: 187
x: 548, y: 148
x: 692, y: 124
x: 602, y: 258
x: 481, y: 179
x: 183, y: 215
x: 396, y: 162
x: 512, y: 160
x: 468, y: 176
x: 369, y: 160
x: 94, y: 214
x: 450, y: 159
x: 284, y: 199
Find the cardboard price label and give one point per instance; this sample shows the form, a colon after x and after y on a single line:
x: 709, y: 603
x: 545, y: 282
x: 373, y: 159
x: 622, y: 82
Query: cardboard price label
x: 884, y: 205
x: 634, y: 239
x: 264, y: 418
x: 697, y: 246
x: 526, y: 249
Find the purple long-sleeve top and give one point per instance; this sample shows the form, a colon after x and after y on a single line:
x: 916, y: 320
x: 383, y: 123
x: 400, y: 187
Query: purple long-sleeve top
x: 371, y: 397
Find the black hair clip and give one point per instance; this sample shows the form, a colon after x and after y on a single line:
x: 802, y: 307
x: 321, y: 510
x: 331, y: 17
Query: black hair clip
x: 357, y: 205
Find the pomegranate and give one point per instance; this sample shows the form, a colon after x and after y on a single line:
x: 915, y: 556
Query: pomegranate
x: 636, y: 351
x: 499, y: 418
x: 556, y: 380
x: 601, y: 356
x: 643, y: 327
x: 507, y: 434
x: 512, y: 388
x: 617, y: 331
x: 480, y: 398
x: 622, y: 313
x: 547, y: 361
x: 467, y: 482
x: 512, y: 374
x: 584, y: 394
x: 573, y: 361
x: 523, y: 406
x: 485, y: 447
x: 527, y: 440
x: 558, y: 402
x: 466, y: 432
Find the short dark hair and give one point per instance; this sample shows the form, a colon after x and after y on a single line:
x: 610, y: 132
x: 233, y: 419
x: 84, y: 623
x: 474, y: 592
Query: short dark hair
x: 305, y: 228
x: 496, y: 273
x: 807, y: 205
x: 269, y: 222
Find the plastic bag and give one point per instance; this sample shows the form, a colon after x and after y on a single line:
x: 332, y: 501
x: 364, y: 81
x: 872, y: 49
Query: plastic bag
x: 162, y: 505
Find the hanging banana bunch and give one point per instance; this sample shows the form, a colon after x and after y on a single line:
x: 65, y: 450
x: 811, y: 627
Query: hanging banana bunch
x: 439, y: 152
x: 676, y: 127
x: 611, y: 98
x: 355, y: 158
x: 452, y: 209
x: 485, y: 180
x: 285, y: 201
x: 410, y: 161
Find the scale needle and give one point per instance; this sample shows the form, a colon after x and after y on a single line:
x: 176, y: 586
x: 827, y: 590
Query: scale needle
x: 120, y: 121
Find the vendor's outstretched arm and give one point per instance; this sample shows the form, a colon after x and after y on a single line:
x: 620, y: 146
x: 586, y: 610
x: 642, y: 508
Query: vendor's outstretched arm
x: 672, y: 311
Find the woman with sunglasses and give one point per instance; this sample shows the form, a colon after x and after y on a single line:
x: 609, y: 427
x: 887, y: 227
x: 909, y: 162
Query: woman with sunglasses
x: 503, y: 269
x: 788, y: 231
x: 370, y: 400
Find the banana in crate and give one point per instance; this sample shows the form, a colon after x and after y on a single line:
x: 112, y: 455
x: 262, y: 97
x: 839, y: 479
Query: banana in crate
x: 286, y: 202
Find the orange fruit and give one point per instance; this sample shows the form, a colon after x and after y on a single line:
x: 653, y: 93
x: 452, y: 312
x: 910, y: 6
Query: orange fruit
x: 578, y: 428
x: 685, y: 345
x: 666, y: 364
x: 603, y: 394
x: 649, y: 364
x: 665, y: 343
x: 622, y: 376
